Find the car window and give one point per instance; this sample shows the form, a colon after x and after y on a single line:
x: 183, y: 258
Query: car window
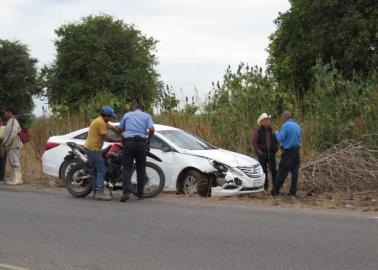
x: 186, y: 140
x: 82, y: 136
x: 156, y: 143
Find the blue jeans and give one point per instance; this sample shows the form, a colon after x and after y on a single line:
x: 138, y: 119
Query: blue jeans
x: 98, y: 171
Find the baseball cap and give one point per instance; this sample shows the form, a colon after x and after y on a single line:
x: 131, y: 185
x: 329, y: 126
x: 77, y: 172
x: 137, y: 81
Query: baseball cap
x: 108, y: 111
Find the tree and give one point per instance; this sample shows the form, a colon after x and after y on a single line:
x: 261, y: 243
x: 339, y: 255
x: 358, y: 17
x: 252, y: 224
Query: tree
x: 18, y: 76
x: 238, y: 100
x: 343, y: 32
x: 167, y: 100
x: 101, y: 55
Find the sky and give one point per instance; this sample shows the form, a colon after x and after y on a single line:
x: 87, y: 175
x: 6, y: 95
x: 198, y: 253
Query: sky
x: 198, y: 39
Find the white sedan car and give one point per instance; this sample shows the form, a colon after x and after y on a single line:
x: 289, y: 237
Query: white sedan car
x: 189, y: 163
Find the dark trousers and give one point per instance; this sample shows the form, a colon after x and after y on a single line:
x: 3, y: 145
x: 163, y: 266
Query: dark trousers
x: 290, y: 161
x: 3, y: 163
x: 134, y: 150
x: 268, y: 162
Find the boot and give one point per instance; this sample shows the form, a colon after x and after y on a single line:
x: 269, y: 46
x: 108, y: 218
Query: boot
x: 12, y: 180
x: 18, y: 178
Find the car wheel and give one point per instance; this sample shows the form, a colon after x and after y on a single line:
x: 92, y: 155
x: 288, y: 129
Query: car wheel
x: 195, y: 182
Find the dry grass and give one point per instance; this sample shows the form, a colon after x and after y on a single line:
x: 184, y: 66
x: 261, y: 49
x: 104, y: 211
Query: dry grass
x: 344, y: 176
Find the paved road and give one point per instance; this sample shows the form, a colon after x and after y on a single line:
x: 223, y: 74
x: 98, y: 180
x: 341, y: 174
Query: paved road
x: 55, y: 231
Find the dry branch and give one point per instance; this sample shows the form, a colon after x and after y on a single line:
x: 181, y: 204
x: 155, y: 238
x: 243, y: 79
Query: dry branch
x: 350, y: 165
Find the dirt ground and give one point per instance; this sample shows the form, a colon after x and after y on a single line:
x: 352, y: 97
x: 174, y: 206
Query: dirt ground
x: 360, y: 202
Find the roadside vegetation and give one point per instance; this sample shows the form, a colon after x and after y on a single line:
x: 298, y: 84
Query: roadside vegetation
x: 322, y: 66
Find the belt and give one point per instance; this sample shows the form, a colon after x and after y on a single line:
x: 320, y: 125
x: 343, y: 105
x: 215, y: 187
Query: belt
x: 291, y: 149
x: 134, y: 139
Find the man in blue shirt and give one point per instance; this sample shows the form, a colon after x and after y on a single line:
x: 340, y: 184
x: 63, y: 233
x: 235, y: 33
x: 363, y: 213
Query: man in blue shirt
x: 290, y: 139
x: 136, y: 128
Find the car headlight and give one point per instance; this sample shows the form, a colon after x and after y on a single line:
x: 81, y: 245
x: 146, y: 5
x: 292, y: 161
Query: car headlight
x: 220, y: 167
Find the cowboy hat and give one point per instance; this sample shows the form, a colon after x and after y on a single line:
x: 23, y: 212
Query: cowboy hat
x: 262, y: 117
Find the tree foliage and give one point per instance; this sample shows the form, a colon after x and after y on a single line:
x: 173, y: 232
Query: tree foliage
x: 100, y: 54
x: 18, y: 76
x: 167, y: 100
x: 344, y: 32
x: 236, y: 103
x: 341, y: 109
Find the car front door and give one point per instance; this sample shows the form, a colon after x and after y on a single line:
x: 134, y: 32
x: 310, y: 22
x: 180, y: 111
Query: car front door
x: 166, y: 153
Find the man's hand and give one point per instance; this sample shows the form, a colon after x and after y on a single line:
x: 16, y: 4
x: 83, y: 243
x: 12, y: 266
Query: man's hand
x: 116, y: 129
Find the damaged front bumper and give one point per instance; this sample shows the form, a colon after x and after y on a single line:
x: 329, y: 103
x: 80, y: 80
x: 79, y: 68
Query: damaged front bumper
x: 242, y: 180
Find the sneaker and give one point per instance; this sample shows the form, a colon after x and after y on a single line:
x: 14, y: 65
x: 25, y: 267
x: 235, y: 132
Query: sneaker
x: 102, y: 197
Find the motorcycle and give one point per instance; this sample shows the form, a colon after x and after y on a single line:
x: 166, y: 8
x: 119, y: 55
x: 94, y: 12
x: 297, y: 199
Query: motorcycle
x: 78, y: 180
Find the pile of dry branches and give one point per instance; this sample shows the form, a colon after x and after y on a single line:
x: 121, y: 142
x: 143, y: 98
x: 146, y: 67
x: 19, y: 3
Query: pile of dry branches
x: 348, y: 166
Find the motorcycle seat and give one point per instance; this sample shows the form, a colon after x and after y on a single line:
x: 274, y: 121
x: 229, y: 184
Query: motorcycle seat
x: 105, y: 150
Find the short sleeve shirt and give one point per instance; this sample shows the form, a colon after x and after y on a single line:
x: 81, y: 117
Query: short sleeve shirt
x: 97, y: 130
x: 290, y: 135
x: 136, y: 123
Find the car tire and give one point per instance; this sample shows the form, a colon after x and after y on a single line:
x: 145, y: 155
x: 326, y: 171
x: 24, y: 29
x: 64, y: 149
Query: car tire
x: 193, y: 182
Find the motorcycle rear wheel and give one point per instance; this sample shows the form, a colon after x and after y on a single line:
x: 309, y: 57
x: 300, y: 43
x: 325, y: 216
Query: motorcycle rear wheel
x: 79, y: 180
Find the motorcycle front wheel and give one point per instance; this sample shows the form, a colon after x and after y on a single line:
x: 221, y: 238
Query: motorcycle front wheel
x: 155, y: 180
x: 78, y: 180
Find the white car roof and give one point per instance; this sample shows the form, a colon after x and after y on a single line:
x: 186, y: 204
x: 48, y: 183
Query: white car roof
x: 157, y: 128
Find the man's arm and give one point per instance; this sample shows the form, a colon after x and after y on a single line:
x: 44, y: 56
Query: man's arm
x: 116, y: 129
x: 10, y: 132
x: 107, y: 138
x: 254, y: 143
x: 150, y: 127
x: 121, y: 127
x: 151, y: 132
x: 281, y: 134
x: 103, y: 130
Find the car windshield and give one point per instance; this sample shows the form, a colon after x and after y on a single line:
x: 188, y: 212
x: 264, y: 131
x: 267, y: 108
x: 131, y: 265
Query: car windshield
x: 185, y: 140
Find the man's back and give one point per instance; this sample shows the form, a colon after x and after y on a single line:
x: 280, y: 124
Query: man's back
x: 136, y: 123
x: 97, y: 130
x: 290, y: 135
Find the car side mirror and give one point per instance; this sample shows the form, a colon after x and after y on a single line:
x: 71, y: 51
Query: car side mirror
x: 166, y: 149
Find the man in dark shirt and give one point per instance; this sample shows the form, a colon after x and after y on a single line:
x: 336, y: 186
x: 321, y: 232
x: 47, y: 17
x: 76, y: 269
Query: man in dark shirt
x: 265, y: 145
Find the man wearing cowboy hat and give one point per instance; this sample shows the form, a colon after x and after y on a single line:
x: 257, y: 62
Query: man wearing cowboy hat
x: 265, y: 145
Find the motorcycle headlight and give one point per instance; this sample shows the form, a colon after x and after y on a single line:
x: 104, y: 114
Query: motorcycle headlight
x: 220, y: 167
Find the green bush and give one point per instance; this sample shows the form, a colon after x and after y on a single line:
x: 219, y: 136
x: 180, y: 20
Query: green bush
x: 341, y: 109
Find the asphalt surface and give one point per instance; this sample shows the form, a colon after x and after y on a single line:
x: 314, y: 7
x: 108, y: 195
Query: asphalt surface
x: 55, y: 231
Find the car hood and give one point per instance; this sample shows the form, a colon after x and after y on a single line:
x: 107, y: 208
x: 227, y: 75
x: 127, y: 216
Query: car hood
x: 229, y: 158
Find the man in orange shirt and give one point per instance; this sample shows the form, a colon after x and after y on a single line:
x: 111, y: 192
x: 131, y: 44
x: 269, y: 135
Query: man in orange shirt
x: 97, y: 134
